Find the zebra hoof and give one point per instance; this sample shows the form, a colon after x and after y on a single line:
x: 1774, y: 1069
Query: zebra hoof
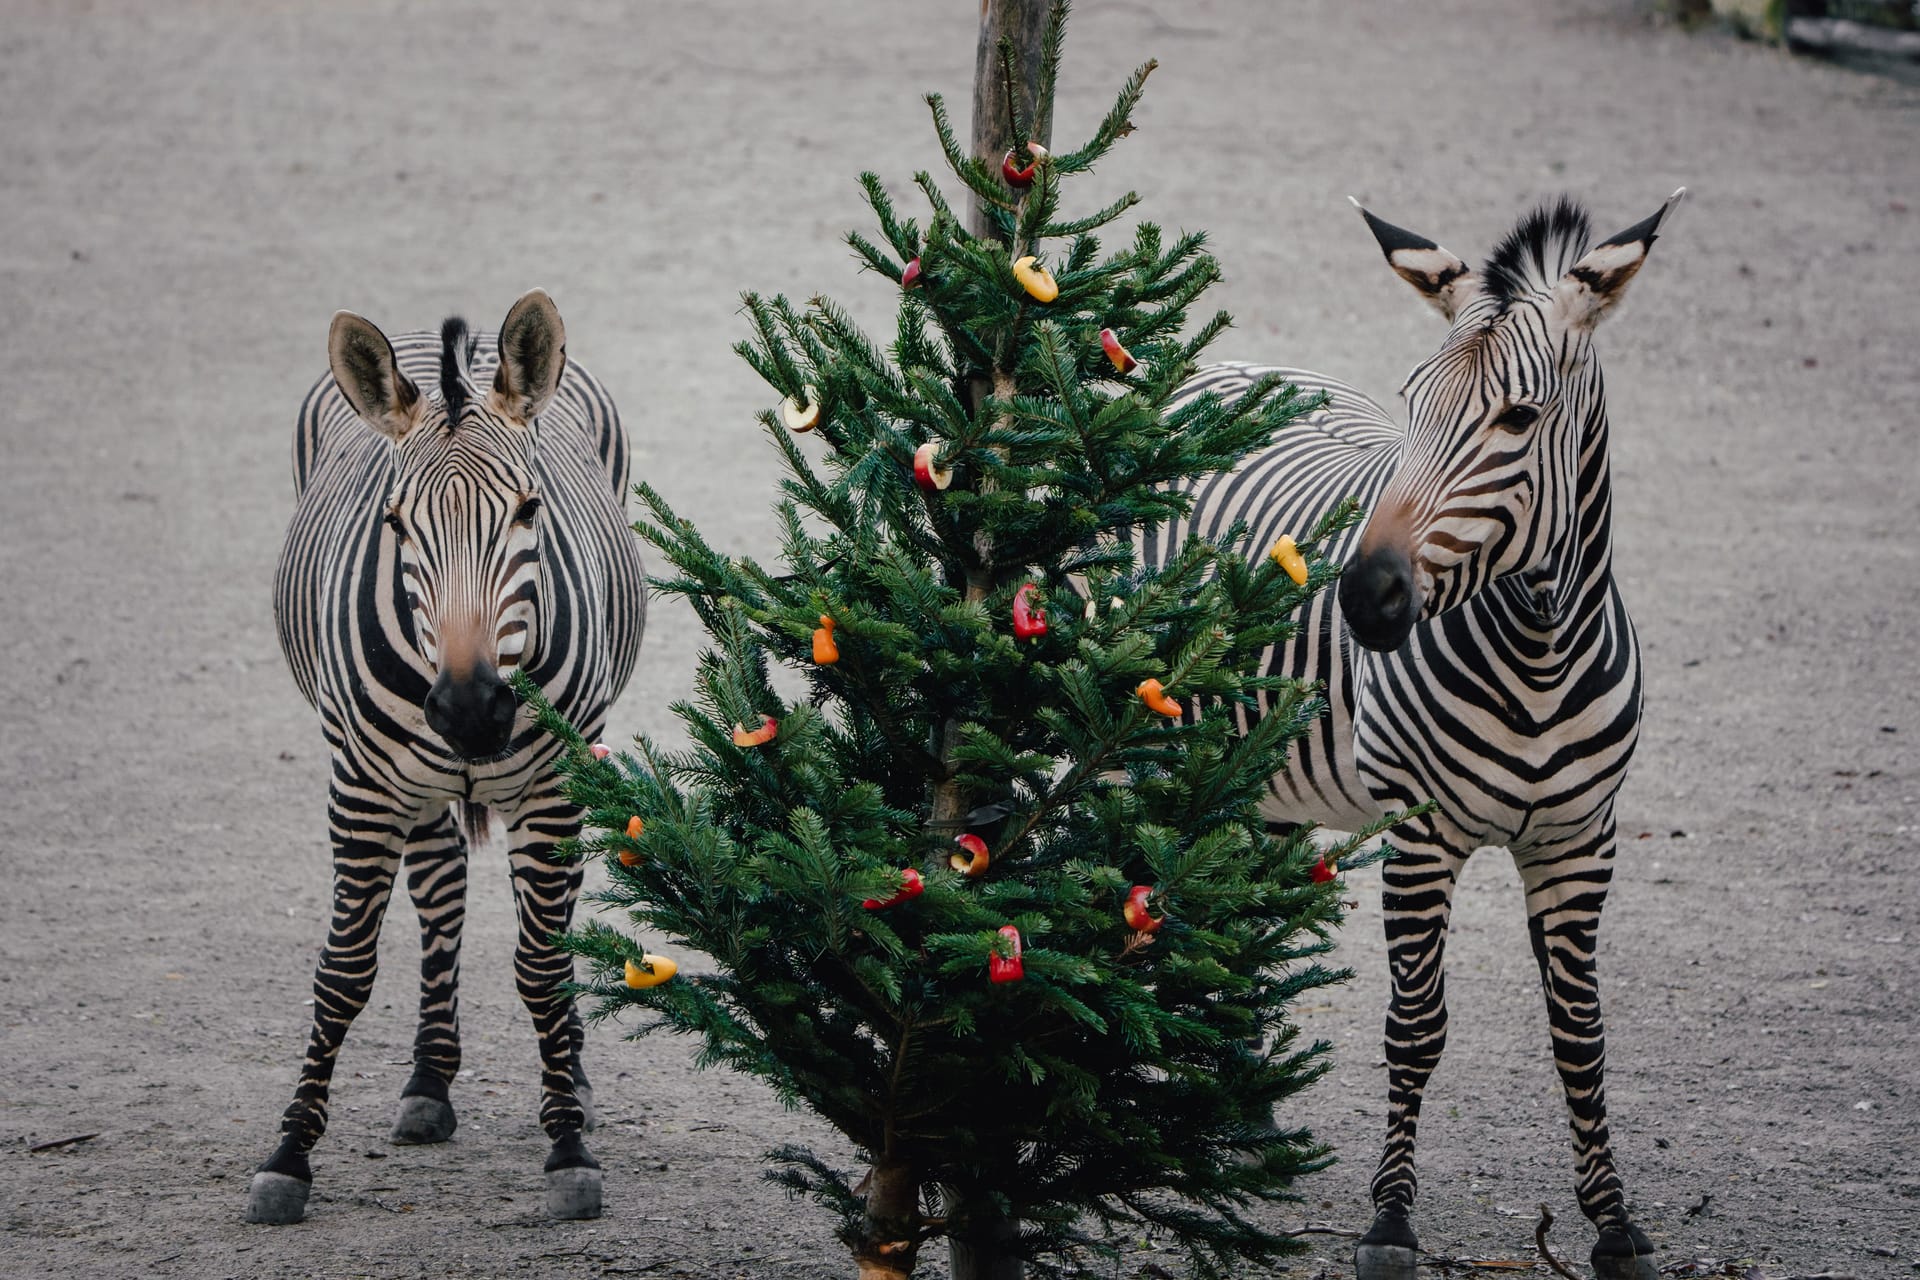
x: 573, y: 1193
x: 1624, y: 1254
x: 277, y: 1199
x: 1385, y: 1262
x: 1389, y: 1250
x: 423, y: 1120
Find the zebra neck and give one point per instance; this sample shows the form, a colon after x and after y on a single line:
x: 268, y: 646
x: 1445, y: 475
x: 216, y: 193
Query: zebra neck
x: 1557, y: 599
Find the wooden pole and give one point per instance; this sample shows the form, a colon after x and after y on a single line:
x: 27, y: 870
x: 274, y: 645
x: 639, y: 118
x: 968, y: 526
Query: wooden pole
x: 1024, y: 22
x: 981, y: 1255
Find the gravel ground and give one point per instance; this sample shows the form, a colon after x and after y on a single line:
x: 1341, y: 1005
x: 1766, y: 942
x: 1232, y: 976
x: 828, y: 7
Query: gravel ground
x: 189, y: 191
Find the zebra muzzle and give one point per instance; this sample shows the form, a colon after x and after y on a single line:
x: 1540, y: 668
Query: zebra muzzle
x: 474, y: 715
x: 1379, y: 598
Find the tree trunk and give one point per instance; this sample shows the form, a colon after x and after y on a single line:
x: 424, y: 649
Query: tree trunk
x: 892, y: 1243
x: 1023, y: 22
x: 982, y: 1254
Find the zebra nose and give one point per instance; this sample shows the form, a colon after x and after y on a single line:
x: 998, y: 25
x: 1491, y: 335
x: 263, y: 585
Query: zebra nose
x: 473, y: 716
x: 1378, y: 599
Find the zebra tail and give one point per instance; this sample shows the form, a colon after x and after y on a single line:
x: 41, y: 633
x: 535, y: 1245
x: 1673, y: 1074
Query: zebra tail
x: 475, y: 822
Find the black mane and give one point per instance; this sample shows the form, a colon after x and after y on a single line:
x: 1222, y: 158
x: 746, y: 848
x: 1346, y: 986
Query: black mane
x: 456, y: 356
x: 1538, y: 251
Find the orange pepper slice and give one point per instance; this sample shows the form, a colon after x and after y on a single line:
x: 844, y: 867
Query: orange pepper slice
x: 631, y: 857
x: 662, y: 968
x: 744, y: 737
x: 825, y: 651
x: 973, y: 863
x: 1156, y: 698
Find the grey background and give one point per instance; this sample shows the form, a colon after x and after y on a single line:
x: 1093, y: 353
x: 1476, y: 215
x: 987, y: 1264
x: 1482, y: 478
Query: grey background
x: 187, y: 193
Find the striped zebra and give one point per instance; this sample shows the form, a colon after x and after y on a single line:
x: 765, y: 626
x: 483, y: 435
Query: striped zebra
x: 439, y: 540
x: 1492, y: 667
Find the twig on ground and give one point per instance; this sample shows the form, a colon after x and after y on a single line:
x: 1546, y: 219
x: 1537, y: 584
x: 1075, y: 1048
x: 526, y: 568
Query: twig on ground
x: 57, y: 1143
x: 1449, y: 1262
x: 1322, y: 1231
x: 1540, y: 1242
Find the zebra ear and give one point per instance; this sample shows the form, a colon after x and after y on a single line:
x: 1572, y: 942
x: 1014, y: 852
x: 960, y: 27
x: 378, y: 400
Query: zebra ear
x: 1442, y: 279
x: 1594, y: 284
x: 370, y: 379
x: 533, y: 355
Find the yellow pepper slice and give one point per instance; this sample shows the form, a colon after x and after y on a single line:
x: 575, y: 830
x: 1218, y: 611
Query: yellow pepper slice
x: 1036, y: 280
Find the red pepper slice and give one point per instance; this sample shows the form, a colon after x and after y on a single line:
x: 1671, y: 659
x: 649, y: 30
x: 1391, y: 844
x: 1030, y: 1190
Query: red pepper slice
x: 1135, y: 911
x: 1028, y: 622
x: 911, y: 886
x: 1007, y: 968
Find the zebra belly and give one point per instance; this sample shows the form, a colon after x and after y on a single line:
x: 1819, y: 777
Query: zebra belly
x: 1322, y: 783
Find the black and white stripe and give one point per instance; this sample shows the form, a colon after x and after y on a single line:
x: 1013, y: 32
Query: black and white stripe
x: 440, y: 539
x: 1477, y: 654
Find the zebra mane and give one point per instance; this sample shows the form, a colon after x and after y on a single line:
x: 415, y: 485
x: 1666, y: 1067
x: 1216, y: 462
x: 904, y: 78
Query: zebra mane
x: 456, y: 359
x: 1539, y: 250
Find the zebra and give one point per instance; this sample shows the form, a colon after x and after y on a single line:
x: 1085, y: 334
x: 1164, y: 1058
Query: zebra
x: 1477, y: 654
x: 437, y: 541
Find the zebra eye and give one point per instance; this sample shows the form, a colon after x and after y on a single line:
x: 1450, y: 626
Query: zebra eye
x: 393, y: 523
x: 523, y: 514
x: 1518, y: 417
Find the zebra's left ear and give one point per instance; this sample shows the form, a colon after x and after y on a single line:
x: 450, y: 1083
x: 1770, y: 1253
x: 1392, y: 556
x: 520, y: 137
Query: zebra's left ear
x: 533, y: 355
x: 1594, y: 284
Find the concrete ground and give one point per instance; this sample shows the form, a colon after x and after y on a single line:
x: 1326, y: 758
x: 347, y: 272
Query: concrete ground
x: 189, y: 191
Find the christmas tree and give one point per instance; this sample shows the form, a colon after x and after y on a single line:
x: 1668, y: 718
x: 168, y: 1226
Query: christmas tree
x: 994, y: 898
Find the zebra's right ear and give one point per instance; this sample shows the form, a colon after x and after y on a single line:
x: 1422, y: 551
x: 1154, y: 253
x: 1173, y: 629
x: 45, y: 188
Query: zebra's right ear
x: 365, y: 371
x: 1442, y: 279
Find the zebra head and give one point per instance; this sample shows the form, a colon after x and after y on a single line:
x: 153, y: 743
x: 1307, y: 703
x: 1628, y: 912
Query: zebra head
x: 1504, y: 421
x: 463, y: 513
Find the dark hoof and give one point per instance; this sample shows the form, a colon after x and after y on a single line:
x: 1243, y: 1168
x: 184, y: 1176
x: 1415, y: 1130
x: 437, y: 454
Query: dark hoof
x: 573, y: 1193
x: 1624, y: 1254
x: 573, y: 1179
x: 423, y: 1119
x: 277, y: 1199
x: 1389, y: 1250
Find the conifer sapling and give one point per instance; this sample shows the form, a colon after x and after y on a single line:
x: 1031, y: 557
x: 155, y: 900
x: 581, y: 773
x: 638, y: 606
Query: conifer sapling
x: 993, y: 897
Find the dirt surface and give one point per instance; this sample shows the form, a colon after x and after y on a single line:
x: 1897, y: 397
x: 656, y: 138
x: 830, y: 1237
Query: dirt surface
x: 189, y: 191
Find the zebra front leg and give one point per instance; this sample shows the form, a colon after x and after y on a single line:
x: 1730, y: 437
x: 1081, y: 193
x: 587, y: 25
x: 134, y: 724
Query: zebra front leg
x: 1417, y: 902
x: 365, y: 856
x: 544, y: 891
x: 436, y: 864
x: 1566, y: 887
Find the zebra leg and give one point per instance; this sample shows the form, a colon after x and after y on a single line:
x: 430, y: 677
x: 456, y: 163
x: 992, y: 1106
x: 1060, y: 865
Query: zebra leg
x: 1418, y: 902
x: 365, y: 856
x: 1566, y: 887
x: 544, y: 891
x: 436, y: 863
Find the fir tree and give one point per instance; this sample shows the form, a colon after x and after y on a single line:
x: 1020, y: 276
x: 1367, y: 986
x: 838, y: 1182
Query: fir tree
x: 1019, y: 936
